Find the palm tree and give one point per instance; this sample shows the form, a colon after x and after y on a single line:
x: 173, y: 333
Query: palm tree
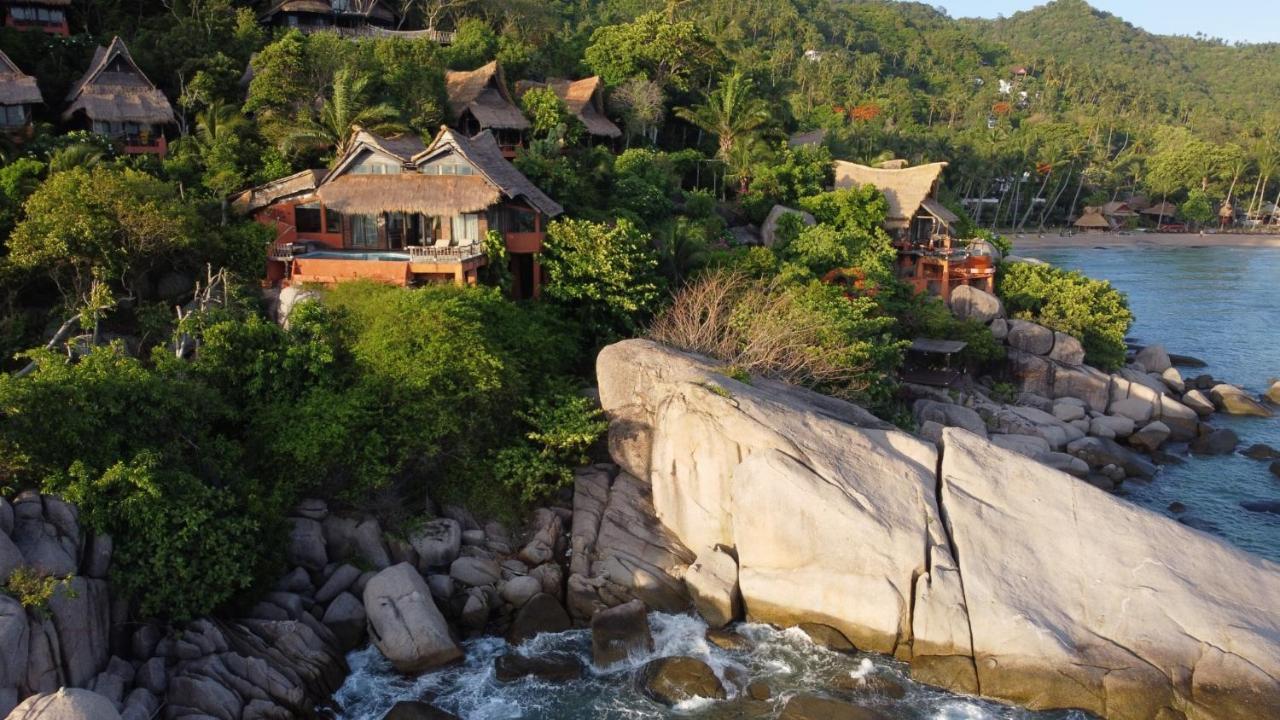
x: 731, y: 112
x: 217, y: 122
x: 331, y: 127
x: 79, y: 155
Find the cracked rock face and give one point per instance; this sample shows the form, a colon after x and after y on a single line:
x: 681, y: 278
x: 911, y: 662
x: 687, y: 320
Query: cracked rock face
x: 991, y: 573
x: 404, y: 622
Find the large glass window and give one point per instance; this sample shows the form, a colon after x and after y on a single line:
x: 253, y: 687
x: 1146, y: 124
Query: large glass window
x: 13, y: 115
x: 307, y: 218
x: 364, y: 231
x: 332, y: 221
x: 370, y: 164
x: 448, y: 165
x: 466, y: 229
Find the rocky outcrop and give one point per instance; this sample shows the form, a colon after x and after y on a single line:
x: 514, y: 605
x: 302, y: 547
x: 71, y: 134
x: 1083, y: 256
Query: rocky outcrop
x: 66, y: 704
x: 404, y: 622
x: 989, y: 572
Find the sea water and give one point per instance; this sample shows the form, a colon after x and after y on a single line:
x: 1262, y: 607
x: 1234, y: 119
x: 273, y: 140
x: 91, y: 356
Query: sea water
x: 1221, y: 305
x: 786, y: 659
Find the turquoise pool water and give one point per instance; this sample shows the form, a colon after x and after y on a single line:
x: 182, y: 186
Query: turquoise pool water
x: 343, y: 255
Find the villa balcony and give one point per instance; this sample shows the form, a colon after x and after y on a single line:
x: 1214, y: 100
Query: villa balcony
x: 444, y: 254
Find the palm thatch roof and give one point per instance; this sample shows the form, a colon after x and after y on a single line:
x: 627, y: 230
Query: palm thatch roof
x: 400, y: 148
x: 1093, y: 219
x: 48, y: 3
x: 371, y: 9
x: 16, y: 88
x: 483, y: 93
x: 1116, y: 208
x: 115, y: 90
x: 584, y: 98
x: 807, y: 139
x: 413, y: 191
x: 294, y: 186
x: 905, y: 189
x: 1161, y: 209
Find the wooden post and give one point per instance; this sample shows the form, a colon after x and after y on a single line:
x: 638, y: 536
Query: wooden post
x: 537, y: 277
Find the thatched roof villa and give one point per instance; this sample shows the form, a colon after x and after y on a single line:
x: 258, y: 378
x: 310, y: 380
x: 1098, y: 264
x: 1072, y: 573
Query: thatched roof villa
x: 479, y: 100
x: 48, y: 16
x: 114, y: 98
x: 584, y: 98
x: 395, y: 210
x: 18, y: 93
x: 921, y: 227
x: 1163, y: 209
x: 1093, y: 219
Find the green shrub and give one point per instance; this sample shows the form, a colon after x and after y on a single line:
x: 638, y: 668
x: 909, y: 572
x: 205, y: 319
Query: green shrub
x: 560, y: 428
x: 1091, y: 310
x: 34, y: 589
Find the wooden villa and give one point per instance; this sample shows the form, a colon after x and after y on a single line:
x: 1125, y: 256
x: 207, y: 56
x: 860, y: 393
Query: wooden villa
x: 48, y: 16
x: 316, y: 15
x: 929, y: 258
x: 584, y: 98
x: 115, y: 99
x: 1093, y: 219
x: 479, y: 100
x: 395, y: 211
x: 18, y: 94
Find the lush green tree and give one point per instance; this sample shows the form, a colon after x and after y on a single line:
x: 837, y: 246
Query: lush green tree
x: 606, y: 276
x: 1197, y: 208
x: 18, y: 180
x: 672, y: 54
x: 333, y: 125
x: 1090, y: 310
x: 734, y: 113
x: 549, y: 115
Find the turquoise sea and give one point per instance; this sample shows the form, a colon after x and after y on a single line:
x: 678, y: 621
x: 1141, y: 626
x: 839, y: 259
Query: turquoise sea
x: 1221, y: 305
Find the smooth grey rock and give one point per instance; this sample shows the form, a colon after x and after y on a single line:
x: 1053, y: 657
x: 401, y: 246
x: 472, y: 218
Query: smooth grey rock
x: 66, y: 704
x: 1154, y: 358
x: 343, y: 577
x: 620, y: 632
x: 404, y: 622
x: 713, y: 585
x: 296, y: 581
x: 949, y: 415
x: 971, y: 303
x: 10, y: 558
x: 1111, y: 426
x: 356, y: 539
x: 15, y: 642
x: 1067, y: 350
x: 152, y: 676
x: 674, y: 680
x: 1136, y: 409
x: 473, y: 538
x: 1030, y: 337
x: 306, y: 546
x: 1216, y: 442
x: 475, y: 571
x: 551, y: 577
x: 437, y: 543
x: 999, y: 328
x: 346, y: 617
x: 81, y: 614
x: 1067, y: 412
x: 1033, y: 446
x: 442, y: 586
x: 1173, y: 380
x: 41, y: 545
x: 1234, y: 401
x: 109, y: 686
x: 1068, y: 464
x: 1099, y: 452
x: 1150, y: 437
x: 541, y: 614
x: 518, y: 590
x: 141, y: 704
x: 1197, y: 401
x: 313, y: 509
x: 6, y: 517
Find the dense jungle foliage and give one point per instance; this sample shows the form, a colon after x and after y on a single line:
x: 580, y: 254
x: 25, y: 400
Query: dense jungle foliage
x: 187, y: 433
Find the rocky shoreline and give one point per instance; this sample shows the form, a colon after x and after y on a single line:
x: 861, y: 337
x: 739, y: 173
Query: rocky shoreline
x: 964, y: 552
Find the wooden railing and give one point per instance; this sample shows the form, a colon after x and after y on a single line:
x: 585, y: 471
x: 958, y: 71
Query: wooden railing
x: 431, y: 253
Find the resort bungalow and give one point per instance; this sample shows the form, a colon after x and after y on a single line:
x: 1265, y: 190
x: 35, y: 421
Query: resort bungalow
x: 1093, y: 219
x: 479, y: 100
x: 1162, y: 212
x: 929, y: 258
x: 1118, y: 212
x: 316, y: 15
x: 585, y: 99
x: 115, y: 99
x: 44, y: 15
x: 395, y: 211
x: 18, y: 93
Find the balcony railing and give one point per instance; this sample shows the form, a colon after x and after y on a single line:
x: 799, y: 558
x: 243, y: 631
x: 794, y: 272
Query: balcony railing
x: 444, y: 254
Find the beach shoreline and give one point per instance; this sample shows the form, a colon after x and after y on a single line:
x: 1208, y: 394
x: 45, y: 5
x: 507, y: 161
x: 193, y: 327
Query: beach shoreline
x: 1111, y: 240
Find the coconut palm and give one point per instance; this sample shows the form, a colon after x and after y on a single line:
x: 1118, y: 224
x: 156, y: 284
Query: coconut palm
x: 215, y: 123
x: 331, y: 127
x: 731, y: 112
x: 78, y: 155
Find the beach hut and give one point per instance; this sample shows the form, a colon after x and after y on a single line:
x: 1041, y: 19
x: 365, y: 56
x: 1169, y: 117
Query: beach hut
x: 1137, y: 203
x: 1118, y: 212
x: 1093, y: 219
x: 115, y: 99
x: 584, y: 98
x: 1161, y: 211
x: 479, y: 100
x: 18, y: 93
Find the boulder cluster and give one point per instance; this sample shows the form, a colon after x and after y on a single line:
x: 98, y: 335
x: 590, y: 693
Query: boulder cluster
x: 1102, y: 427
x: 987, y: 571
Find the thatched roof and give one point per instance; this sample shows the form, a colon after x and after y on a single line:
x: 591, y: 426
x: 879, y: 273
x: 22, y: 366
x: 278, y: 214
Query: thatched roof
x: 584, y: 98
x: 412, y: 191
x: 1163, y: 208
x: 48, y: 3
x: 409, y: 192
x: 1137, y: 203
x: 295, y: 185
x: 939, y: 211
x: 1092, y: 218
x: 115, y: 90
x: 483, y: 93
x: 372, y: 9
x: 904, y: 189
x: 1116, y: 208
x: 16, y: 88
x: 483, y: 153
x: 400, y: 148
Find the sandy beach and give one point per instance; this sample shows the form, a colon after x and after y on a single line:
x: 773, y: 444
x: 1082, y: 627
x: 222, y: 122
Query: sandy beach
x: 1032, y: 241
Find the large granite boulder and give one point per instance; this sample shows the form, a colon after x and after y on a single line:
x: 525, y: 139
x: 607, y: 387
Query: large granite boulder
x: 81, y: 612
x: 1030, y: 337
x: 1234, y: 401
x: 437, y: 543
x: 1153, y: 358
x: 971, y: 303
x: 66, y: 704
x: 404, y: 622
x: 949, y: 415
x: 674, y: 680
x: 1273, y: 393
x: 620, y: 633
x: 1080, y: 599
x: 713, y: 585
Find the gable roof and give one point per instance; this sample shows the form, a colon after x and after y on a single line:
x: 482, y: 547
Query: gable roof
x: 905, y: 189
x: 1117, y: 208
x: 256, y: 198
x: 807, y: 139
x: 483, y: 93
x: 401, y: 148
x: 127, y: 96
x: 1092, y: 217
x: 584, y: 98
x: 1162, y: 208
x: 16, y: 87
x: 413, y: 191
